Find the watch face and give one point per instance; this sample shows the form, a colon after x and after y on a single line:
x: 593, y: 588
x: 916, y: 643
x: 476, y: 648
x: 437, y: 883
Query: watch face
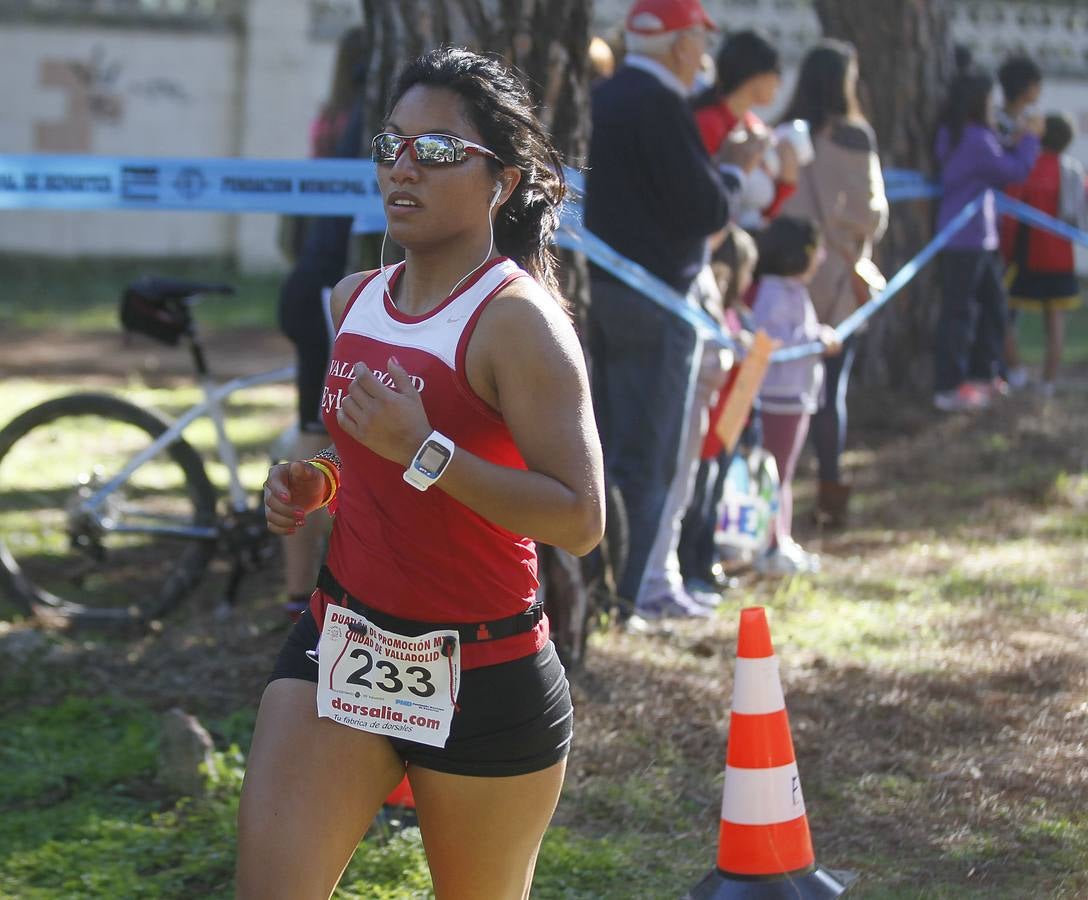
x: 432, y: 459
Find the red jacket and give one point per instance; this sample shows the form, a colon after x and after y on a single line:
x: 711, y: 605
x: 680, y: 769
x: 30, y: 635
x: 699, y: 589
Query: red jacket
x: 1046, y: 251
x: 715, y: 123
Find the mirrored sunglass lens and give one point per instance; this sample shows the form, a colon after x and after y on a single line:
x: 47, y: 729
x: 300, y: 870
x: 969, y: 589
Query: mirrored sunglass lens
x: 386, y: 147
x: 435, y: 148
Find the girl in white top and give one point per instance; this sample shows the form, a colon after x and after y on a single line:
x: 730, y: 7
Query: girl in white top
x: 790, y: 252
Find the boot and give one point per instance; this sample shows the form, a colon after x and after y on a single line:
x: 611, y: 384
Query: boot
x: 831, y: 504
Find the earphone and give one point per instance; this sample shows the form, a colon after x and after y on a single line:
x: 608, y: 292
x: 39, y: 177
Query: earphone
x: 499, y: 185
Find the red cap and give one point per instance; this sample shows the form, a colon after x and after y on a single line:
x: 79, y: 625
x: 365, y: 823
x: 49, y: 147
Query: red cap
x: 663, y: 16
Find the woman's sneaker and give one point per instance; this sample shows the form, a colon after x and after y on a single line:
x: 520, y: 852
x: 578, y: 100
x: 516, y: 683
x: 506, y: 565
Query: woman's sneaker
x: 787, y: 557
x: 675, y: 604
x: 965, y: 398
x: 995, y: 387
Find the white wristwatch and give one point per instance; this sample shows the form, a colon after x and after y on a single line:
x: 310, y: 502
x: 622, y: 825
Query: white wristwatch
x: 430, y: 461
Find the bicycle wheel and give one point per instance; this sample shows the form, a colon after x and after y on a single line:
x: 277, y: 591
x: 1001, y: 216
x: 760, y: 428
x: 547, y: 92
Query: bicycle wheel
x: 124, y: 563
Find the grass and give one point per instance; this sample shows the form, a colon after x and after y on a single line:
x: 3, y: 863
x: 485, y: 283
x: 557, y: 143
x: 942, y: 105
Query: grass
x: 83, y: 818
x: 935, y: 674
x: 84, y: 294
x: 85, y: 794
x: 1032, y: 338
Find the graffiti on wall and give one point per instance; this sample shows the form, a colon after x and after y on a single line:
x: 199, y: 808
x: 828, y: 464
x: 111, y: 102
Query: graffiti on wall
x: 95, y: 96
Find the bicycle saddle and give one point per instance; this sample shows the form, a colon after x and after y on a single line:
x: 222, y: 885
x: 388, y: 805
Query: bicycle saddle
x: 156, y: 288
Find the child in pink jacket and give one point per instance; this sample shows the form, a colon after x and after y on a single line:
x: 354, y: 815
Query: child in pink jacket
x: 790, y: 252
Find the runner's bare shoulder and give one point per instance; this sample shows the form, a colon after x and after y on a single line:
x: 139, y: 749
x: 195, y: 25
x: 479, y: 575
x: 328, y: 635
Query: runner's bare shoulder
x: 343, y: 291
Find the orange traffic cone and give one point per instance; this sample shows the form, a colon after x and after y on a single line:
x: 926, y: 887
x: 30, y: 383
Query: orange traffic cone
x: 764, y: 845
x: 401, y: 795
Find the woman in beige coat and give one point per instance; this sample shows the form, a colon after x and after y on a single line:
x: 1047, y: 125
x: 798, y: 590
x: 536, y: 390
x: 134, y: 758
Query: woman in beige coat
x: 843, y: 190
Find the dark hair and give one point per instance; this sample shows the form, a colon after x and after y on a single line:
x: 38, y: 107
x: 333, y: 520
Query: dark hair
x: 1016, y: 75
x: 736, y: 255
x: 962, y: 58
x: 786, y: 246
x: 967, y: 101
x: 821, y: 90
x: 743, y: 55
x: 499, y: 106
x: 1057, y: 132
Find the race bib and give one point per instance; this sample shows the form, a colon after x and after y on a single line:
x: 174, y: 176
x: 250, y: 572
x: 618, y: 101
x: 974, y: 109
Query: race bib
x: 387, y: 683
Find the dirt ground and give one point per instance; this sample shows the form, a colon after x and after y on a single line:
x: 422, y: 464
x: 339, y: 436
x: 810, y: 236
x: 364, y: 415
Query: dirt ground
x: 61, y: 355
x: 906, y: 764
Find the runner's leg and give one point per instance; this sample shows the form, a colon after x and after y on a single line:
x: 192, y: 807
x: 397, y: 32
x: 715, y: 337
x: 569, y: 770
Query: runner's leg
x: 482, y: 835
x: 311, y: 789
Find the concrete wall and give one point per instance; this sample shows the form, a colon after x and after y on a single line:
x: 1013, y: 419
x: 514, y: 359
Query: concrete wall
x: 134, y: 91
x: 145, y: 89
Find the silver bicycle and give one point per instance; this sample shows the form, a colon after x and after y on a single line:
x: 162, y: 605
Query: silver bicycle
x: 106, y: 511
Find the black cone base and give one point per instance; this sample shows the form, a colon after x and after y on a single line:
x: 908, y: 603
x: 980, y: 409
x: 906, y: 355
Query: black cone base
x: 818, y: 883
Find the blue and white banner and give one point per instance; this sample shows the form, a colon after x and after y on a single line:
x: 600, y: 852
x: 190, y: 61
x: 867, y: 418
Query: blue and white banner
x: 348, y: 187
x: 331, y: 187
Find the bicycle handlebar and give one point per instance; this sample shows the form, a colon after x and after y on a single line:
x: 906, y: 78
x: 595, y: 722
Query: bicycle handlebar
x: 166, y: 289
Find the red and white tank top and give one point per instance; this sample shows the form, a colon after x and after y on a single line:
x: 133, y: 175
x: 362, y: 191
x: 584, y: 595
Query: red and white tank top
x: 422, y: 555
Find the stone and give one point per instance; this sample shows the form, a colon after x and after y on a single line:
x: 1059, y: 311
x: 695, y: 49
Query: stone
x: 184, y: 746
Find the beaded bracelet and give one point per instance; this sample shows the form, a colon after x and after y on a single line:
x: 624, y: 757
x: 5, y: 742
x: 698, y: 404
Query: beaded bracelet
x: 330, y: 455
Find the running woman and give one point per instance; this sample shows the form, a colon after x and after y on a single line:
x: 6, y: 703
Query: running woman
x: 458, y: 405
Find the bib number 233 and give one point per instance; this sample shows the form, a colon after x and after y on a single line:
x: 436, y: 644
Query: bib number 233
x: 387, y: 683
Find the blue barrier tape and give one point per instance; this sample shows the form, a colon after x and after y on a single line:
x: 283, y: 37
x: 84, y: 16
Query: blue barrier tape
x: 573, y: 236
x: 906, y: 184
x: 1029, y: 215
x: 895, y: 284
x: 903, y: 176
x: 349, y: 187
x: 1004, y: 203
x: 332, y: 187
x: 328, y: 187
x: 921, y: 190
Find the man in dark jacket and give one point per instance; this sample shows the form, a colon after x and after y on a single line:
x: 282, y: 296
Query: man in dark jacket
x: 654, y: 195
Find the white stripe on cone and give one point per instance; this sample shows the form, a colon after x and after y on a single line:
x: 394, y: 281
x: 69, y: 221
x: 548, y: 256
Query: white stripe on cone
x: 757, y: 688
x: 762, y: 796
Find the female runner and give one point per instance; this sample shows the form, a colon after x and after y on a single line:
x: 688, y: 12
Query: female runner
x: 458, y: 406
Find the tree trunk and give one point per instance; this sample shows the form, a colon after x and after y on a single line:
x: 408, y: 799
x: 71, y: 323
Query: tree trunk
x: 548, y: 41
x: 905, y: 60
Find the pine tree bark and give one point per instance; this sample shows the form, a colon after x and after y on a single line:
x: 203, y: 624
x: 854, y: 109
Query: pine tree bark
x: 546, y: 39
x: 905, y: 60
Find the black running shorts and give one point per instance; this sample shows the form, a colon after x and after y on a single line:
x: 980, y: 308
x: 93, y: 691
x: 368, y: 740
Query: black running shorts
x: 513, y: 718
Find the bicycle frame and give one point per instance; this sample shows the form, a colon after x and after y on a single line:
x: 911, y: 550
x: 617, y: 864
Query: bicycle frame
x: 213, y: 407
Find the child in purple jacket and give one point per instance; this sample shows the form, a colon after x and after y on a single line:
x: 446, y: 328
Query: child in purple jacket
x: 790, y: 252
x: 971, y: 328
